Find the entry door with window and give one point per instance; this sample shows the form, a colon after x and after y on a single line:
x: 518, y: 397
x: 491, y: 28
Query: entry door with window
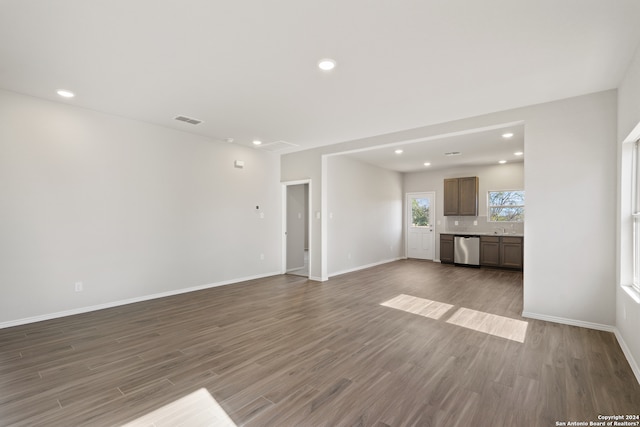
x: 420, y: 240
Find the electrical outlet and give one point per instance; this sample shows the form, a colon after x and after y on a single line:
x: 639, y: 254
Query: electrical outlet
x: 262, y: 257
x: 475, y: 222
x: 456, y: 223
x: 79, y: 287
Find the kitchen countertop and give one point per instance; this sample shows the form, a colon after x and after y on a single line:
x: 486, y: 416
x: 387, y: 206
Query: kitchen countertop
x: 472, y: 233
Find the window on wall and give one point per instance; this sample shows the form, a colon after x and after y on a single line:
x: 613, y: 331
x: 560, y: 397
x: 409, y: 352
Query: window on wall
x: 420, y: 212
x: 506, y: 206
x: 636, y: 215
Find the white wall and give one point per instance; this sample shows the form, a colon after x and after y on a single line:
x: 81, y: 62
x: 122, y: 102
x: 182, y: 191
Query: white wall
x: 628, y: 309
x: 570, y: 181
x: 493, y: 177
x: 127, y: 208
x: 364, y: 205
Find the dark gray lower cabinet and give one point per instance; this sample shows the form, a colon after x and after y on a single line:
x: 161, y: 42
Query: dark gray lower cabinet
x: 501, y: 251
x: 490, y: 251
x: 511, y: 252
x: 495, y: 251
x: 446, y: 248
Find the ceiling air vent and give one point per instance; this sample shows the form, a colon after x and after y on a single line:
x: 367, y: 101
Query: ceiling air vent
x: 452, y: 153
x: 189, y: 120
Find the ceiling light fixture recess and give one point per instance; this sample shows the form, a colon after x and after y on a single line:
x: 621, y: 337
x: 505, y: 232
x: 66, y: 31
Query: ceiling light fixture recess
x: 257, y: 142
x: 65, y: 93
x: 427, y: 164
x: 327, y: 64
x: 398, y: 151
x: 502, y: 162
x: 507, y: 135
x: 518, y: 153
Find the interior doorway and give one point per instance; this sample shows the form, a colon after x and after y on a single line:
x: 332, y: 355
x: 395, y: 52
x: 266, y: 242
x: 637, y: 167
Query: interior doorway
x: 296, y: 242
x: 420, y: 229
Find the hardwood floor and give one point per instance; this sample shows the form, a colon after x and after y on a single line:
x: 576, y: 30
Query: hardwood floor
x: 285, y: 351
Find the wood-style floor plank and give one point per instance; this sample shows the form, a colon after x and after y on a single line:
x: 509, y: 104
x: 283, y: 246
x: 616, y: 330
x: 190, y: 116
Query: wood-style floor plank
x: 408, y: 343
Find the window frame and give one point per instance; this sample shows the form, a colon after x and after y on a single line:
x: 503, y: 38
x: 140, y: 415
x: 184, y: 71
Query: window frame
x: 489, y: 206
x: 635, y: 214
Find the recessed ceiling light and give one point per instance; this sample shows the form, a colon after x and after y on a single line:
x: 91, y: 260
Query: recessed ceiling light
x: 257, y: 142
x: 398, y: 151
x: 427, y: 164
x: 518, y: 153
x: 507, y: 135
x: 327, y: 64
x: 66, y: 93
x: 229, y: 140
x: 502, y: 162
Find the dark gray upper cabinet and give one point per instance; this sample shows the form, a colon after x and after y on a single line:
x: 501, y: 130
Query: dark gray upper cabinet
x: 461, y: 196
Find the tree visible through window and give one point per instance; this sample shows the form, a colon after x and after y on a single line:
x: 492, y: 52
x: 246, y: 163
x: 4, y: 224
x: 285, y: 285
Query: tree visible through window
x: 420, y: 212
x: 506, y: 206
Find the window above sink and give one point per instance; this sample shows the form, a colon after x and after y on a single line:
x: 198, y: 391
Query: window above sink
x: 505, y: 206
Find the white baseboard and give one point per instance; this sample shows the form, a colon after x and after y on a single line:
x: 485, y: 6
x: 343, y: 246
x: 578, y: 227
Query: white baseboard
x: 597, y: 326
x: 627, y: 352
x: 362, y: 267
x: 571, y: 322
x: 81, y: 310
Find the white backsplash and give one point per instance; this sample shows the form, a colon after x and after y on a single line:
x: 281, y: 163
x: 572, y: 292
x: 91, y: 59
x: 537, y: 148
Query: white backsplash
x: 466, y: 225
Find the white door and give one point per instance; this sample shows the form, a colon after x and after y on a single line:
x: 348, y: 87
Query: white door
x: 421, y: 214
x: 297, y: 260
x: 296, y: 241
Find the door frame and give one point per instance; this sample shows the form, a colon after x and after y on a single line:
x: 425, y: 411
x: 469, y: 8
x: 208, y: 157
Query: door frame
x: 285, y: 185
x: 408, y: 196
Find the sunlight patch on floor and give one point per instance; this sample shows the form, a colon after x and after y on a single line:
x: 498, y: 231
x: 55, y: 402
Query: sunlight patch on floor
x: 420, y: 306
x: 197, y: 409
x: 504, y: 327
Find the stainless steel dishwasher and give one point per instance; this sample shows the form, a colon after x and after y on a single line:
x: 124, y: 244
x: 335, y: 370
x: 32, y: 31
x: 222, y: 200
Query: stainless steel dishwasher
x: 467, y: 250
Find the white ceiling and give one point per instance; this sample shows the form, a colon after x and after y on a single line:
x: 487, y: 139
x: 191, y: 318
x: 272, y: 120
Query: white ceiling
x: 247, y: 68
x: 477, y: 148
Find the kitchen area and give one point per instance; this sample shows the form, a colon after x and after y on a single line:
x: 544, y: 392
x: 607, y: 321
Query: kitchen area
x: 479, y: 207
x: 473, y: 185
x: 495, y: 240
